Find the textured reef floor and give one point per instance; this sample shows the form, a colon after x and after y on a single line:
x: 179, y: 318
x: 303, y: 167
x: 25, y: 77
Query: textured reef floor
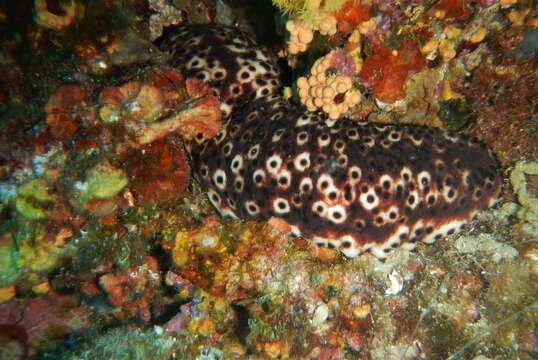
x: 109, y: 248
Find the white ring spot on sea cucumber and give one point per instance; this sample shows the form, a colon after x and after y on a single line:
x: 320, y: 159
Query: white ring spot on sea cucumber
x: 324, y: 182
x: 302, y: 138
x: 252, y: 208
x: 284, y: 179
x: 244, y: 76
x: 348, y: 247
x: 220, y: 136
x: 302, y: 161
x: 339, y: 146
x: 214, y: 198
x: 239, y: 184
x: 234, y: 130
x: 341, y: 161
x: 276, y: 116
x: 413, y: 199
x: 227, y: 148
x: 273, y: 164
x: 226, y: 111
x: 253, y: 115
x: 204, y: 171
x: 415, y: 141
x: 281, y: 206
x: 253, y: 152
x: 277, y: 135
x: 324, y: 140
x: 220, y: 179
x: 196, y: 63
x: 263, y: 91
x: 302, y: 120
x: 384, y: 180
x: 228, y: 213
x: 306, y: 185
x: 331, y: 193
x: 369, y: 200
x: 395, y: 239
x: 395, y: 135
x: 449, y: 228
x: 381, y: 128
x: 320, y: 208
x: 354, y: 173
x: 406, y: 173
x: 424, y: 179
x: 237, y: 163
x: 353, y: 134
x: 319, y: 241
x: 391, y: 215
x: 337, y: 214
x: 258, y: 177
x: 449, y: 194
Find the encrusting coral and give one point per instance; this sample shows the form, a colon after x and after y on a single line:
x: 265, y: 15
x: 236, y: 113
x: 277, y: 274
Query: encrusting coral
x: 329, y: 86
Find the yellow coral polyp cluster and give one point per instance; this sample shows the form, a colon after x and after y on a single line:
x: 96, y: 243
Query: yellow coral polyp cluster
x: 333, y: 94
x: 302, y: 34
x: 327, y: 25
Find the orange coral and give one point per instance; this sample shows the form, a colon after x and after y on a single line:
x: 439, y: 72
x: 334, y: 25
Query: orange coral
x: 386, y: 72
x: 64, y: 110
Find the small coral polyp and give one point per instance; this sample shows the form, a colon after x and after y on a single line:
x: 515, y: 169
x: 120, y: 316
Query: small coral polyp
x: 302, y: 33
x: 300, y: 36
x: 327, y: 88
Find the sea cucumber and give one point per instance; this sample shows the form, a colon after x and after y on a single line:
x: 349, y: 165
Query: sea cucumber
x: 343, y: 184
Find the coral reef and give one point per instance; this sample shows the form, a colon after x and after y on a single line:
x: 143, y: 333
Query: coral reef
x: 109, y: 249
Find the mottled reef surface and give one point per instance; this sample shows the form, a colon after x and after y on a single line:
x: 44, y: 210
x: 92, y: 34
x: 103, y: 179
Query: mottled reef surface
x: 122, y: 143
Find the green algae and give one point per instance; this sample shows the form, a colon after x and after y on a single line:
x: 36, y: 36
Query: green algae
x: 455, y: 114
x: 102, y: 181
x: 26, y: 254
x: 31, y: 198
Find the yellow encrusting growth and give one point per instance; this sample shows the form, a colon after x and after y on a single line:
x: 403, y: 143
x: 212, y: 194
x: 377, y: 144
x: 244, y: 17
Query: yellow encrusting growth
x: 333, y: 93
x: 300, y: 36
x: 307, y: 17
x: 302, y: 33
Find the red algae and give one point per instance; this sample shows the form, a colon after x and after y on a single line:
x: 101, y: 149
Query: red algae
x: 387, y: 71
x: 350, y: 15
x: 64, y: 111
x: 453, y: 9
x: 131, y: 291
x: 160, y: 172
